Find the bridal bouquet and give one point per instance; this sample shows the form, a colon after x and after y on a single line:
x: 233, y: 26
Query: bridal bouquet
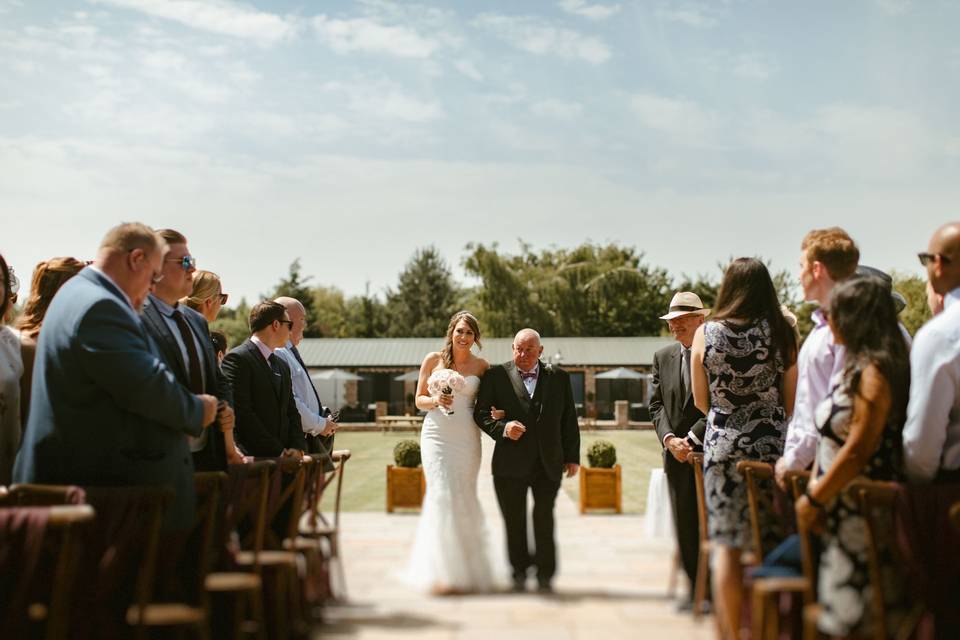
x: 446, y: 382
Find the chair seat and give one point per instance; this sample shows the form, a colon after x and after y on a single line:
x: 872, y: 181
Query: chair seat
x: 267, y: 558
x: 166, y: 614
x: 780, y: 584
x: 317, y: 530
x: 232, y: 581
x: 301, y: 544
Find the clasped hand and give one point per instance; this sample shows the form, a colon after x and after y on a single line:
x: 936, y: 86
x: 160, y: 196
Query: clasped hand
x: 680, y: 448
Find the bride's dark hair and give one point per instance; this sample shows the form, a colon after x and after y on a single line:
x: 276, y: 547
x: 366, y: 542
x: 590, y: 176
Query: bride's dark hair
x: 447, y: 354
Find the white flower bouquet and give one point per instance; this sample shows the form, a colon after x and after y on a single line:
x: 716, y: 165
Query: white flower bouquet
x: 446, y: 382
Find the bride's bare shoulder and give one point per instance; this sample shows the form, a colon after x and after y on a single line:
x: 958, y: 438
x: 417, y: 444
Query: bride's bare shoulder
x: 431, y: 360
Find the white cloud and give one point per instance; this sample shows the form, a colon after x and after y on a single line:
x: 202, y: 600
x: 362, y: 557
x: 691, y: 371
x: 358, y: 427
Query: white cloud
x: 894, y: 7
x: 754, y: 66
x: 698, y: 16
x: 469, y: 69
x: 385, y: 100
x: 681, y: 119
x: 217, y: 16
x: 370, y: 36
x: 542, y: 38
x: 591, y: 11
x: 557, y: 109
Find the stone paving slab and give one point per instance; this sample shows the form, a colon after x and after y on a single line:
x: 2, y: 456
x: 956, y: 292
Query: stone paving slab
x: 611, y: 583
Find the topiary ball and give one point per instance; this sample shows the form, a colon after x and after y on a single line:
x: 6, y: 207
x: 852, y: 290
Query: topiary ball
x: 602, y: 454
x: 407, y: 454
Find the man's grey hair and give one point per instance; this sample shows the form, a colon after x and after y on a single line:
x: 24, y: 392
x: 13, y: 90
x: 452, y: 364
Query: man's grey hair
x: 290, y: 303
x: 526, y: 333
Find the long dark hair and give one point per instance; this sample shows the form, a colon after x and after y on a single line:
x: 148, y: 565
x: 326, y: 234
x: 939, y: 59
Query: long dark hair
x: 5, y: 274
x: 747, y: 293
x: 861, y: 310
x: 447, y: 354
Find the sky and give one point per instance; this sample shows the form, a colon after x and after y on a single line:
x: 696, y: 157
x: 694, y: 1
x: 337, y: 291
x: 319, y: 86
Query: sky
x: 351, y: 133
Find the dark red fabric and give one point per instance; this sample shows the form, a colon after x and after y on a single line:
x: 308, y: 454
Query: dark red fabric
x: 22, y: 530
x: 929, y: 548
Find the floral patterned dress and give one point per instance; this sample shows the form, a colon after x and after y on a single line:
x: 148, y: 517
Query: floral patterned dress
x: 844, y: 589
x: 746, y: 421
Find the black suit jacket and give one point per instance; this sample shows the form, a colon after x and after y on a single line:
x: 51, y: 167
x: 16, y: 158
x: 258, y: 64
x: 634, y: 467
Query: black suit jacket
x: 267, y: 421
x: 671, y: 409
x: 213, y: 454
x: 552, y: 438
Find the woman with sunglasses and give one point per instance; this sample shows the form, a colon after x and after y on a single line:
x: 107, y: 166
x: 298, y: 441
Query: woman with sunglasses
x: 207, y: 297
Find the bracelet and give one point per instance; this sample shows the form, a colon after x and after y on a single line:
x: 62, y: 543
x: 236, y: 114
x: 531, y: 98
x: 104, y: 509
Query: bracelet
x: 813, y: 501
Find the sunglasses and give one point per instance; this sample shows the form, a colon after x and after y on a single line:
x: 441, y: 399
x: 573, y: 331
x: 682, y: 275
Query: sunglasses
x: 186, y: 262
x: 927, y: 258
x: 289, y: 323
x: 223, y: 298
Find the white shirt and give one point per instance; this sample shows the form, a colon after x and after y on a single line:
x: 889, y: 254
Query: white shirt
x: 931, y: 436
x: 308, y: 403
x: 819, y: 360
x: 530, y: 383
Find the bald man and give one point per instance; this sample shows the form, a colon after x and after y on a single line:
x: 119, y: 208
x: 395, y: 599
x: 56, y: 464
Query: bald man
x: 931, y: 436
x: 538, y: 442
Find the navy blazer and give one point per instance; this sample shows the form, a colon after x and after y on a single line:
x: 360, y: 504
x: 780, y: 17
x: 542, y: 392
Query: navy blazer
x: 105, y: 410
x: 213, y: 455
x: 267, y: 421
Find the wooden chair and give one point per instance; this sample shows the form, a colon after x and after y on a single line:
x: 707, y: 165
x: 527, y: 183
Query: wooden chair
x: 65, y: 527
x: 955, y: 515
x: 319, y: 526
x: 192, y: 616
x: 42, y: 495
x: 703, y: 557
x: 248, y: 489
x: 277, y: 564
x: 766, y: 591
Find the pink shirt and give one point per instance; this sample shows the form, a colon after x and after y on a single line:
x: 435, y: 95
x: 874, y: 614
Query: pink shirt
x: 265, y: 351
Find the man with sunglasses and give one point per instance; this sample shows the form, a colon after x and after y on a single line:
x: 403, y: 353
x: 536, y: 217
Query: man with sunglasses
x: 931, y: 435
x: 181, y: 336
x: 105, y: 409
x: 268, y: 423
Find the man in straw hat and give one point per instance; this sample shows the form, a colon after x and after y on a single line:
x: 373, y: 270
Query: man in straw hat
x: 680, y: 425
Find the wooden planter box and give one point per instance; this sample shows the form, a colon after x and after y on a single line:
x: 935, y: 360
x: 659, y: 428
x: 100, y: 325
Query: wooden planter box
x: 405, y: 487
x: 600, y: 489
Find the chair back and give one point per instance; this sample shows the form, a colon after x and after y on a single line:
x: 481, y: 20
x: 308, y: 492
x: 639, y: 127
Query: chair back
x: 696, y: 460
x: 955, y: 516
x: 876, y: 501
x: 333, y: 476
x: 39, y: 531
x: 797, y: 482
x: 285, y: 504
x: 43, y: 495
x: 753, y: 471
x: 248, y: 489
x: 210, y: 487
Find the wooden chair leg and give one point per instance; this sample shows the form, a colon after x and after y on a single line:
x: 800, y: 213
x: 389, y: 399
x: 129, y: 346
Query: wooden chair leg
x: 700, y: 590
x: 672, y: 580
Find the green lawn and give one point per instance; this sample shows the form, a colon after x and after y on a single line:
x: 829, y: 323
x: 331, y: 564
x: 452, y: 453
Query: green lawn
x: 365, y: 473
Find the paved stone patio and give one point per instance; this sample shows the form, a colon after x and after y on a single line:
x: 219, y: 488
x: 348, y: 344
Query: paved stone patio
x: 612, y: 583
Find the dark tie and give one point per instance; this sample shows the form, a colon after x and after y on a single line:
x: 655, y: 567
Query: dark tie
x: 685, y: 370
x: 528, y: 375
x: 193, y: 364
x: 296, y: 354
x: 275, y: 367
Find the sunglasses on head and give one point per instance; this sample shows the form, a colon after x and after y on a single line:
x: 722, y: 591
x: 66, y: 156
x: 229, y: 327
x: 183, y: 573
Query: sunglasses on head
x: 186, y: 262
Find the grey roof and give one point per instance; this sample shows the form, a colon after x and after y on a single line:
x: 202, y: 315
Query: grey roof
x: 409, y: 352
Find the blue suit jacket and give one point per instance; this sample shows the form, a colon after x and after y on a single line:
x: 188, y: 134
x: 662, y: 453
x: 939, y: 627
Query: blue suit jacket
x: 105, y: 410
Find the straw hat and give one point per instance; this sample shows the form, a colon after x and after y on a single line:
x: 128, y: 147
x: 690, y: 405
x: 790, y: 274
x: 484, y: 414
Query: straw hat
x: 685, y: 303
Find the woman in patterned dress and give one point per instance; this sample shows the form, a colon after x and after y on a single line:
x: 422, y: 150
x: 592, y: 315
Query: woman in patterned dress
x: 861, y: 424
x: 744, y: 377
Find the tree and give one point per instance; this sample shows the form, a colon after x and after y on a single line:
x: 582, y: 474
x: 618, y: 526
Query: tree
x: 425, y: 298
x: 366, y: 316
x: 330, y: 308
x: 914, y: 289
x: 295, y: 286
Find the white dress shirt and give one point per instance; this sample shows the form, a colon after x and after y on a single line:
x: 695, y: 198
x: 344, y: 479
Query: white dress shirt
x: 531, y: 383
x: 931, y: 436
x: 308, y: 403
x: 819, y: 360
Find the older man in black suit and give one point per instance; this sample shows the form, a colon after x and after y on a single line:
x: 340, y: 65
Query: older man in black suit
x: 183, y: 338
x: 268, y: 423
x: 680, y: 425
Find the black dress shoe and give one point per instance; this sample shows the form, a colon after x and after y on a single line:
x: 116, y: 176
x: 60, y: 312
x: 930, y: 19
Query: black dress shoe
x: 544, y: 587
x: 519, y: 586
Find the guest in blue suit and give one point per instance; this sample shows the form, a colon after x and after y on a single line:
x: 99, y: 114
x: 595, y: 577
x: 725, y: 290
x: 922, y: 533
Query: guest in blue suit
x: 105, y: 410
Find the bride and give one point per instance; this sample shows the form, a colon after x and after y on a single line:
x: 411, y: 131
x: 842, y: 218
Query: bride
x: 451, y: 553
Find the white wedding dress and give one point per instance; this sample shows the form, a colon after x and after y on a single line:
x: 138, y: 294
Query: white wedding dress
x: 452, y: 550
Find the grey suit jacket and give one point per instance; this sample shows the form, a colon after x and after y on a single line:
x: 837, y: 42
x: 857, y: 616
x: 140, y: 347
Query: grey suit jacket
x: 671, y: 408
x: 105, y: 410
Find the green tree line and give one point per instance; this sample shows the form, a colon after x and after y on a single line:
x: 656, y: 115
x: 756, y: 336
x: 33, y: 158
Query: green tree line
x: 589, y: 290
